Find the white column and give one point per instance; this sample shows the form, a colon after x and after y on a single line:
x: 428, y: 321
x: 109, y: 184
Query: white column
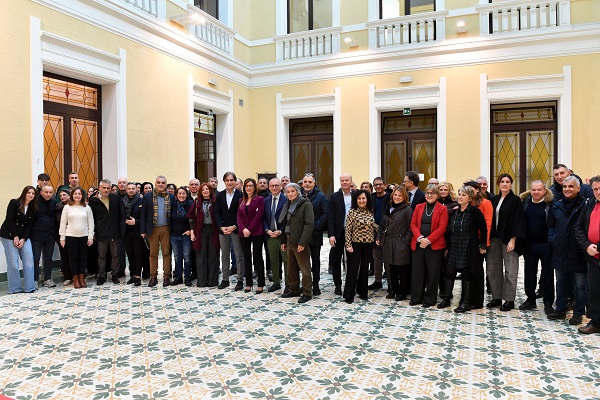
x: 374, y: 135
x: 36, y: 98
x: 484, y: 127
x: 337, y: 134
x: 190, y: 135
x: 441, y: 132
x: 121, y: 99
x: 565, y: 121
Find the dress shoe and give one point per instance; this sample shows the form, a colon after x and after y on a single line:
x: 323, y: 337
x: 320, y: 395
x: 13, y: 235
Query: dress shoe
x: 557, y: 315
x: 138, y: 282
x: 445, y: 303
x: 238, y: 286
x: 507, y: 306
x: 121, y: 274
x: 589, y: 328
x: 101, y: 281
x: 426, y: 305
x: 304, y: 298
x: 375, y: 286
x: 414, y: 303
x: 248, y: 289
x: 166, y: 282
x: 259, y: 291
x: 223, y: 285
x: 316, y: 290
x: 528, y: 305
x: 494, y: 303
x: 177, y: 281
x: 131, y: 280
x: 82, y: 281
x: 400, y: 297
x: 153, y: 281
x: 188, y: 282
x: 363, y: 297
x: 349, y: 301
x: 274, y: 287
x: 115, y: 280
x: 576, y: 319
x: 390, y: 296
x: 548, y: 309
x: 287, y: 295
x: 338, y: 291
x: 464, y: 307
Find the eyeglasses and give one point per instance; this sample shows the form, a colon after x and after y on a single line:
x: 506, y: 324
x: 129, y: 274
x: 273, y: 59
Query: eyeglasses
x: 406, y: 181
x: 378, y: 184
x: 249, y: 185
x: 309, y: 174
x: 430, y: 193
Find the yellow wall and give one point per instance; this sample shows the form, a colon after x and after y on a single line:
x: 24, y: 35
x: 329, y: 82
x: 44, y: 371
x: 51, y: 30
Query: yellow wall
x: 354, y: 12
x: 584, y: 11
x: 247, y: 15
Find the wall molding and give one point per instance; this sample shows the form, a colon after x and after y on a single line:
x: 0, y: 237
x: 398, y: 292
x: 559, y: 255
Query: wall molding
x: 416, y: 97
x: 526, y: 89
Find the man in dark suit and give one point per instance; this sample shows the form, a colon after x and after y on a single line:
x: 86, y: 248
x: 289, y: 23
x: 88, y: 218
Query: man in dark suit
x: 106, y: 209
x: 411, y: 183
x: 320, y: 204
x: 226, y: 207
x: 154, y: 224
x: 131, y: 210
x: 338, y: 207
x: 273, y: 204
x: 380, y: 200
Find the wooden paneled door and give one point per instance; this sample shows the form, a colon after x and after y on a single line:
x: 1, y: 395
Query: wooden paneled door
x: 311, y: 151
x: 72, y: 126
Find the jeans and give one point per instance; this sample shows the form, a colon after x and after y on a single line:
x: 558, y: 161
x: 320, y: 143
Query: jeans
x: 46, y: 249
x: 182, y: 250
x: 12, y: 266
x: 562, y: 288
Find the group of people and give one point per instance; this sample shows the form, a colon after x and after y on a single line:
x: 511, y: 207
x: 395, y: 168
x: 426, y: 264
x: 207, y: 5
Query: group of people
x: 424, y: 239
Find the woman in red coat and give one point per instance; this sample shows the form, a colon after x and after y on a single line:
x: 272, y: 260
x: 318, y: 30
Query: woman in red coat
x: 428, y: 226
x: 250, y: 213
x: 205, y: 238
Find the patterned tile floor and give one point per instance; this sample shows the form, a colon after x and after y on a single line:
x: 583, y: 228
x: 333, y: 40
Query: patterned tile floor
x: 122, y: 342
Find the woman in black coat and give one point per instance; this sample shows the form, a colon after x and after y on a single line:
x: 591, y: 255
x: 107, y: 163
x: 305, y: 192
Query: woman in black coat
x: 466, y: 241
x: 506, y: 245
x: 14, y: 233
x: 394, y: 236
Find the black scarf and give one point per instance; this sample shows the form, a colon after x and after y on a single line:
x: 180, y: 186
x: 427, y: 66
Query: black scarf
x: 129, y: 203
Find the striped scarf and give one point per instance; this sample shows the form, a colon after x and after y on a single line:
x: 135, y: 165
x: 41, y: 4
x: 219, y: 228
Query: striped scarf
x: 155, y: 195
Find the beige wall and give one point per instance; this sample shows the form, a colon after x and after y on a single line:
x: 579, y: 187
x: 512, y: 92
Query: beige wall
x: 354, y: 12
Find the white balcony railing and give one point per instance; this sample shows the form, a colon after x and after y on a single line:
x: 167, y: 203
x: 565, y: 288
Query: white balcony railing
x: 308, y: 44
x: 410, y: 29
x: 207, y: 28
x: 148, y: 6
x: 523, y: 15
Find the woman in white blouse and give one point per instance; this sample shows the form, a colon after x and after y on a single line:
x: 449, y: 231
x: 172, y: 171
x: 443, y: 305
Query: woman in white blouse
x: 76, y: 234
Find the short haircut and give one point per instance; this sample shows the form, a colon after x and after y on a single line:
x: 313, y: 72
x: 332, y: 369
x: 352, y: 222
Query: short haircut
x: 229, y: 173
x: 482, y: 178
x: 572, y: 178
x: 432, y: 187
x: 413, y: 177
x: 538, y: 181
x: 470, y: 192
x: 43, y: 177
x: 106, y: 182
x: 595, y: 179
x: 559, y: 166
x: 161, y: 176
x: 378, y: 178
x: 294, y: 186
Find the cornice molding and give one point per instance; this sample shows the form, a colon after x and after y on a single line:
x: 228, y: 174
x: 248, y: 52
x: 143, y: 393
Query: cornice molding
x: 310, y: 105
x: 548, y: 82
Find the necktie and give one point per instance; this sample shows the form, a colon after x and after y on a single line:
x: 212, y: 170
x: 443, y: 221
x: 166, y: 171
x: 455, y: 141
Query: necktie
x: 410, y: 196
x: 273, y: 208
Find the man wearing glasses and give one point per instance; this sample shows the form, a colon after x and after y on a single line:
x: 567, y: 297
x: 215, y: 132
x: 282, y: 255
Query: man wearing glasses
x: 338, y: 207
x: 320, y: 204
x: 380, y: 198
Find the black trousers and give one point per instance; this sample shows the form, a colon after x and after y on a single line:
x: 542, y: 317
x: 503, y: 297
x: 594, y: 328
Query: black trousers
x: 357, y: 273
x: 315, y: 263
x: 536, y: 253
x: 252, y: 249
x: 477, y: 277
x: 78, y: 252
x: 426, y: 264
x: 134, y: 248
x: 207, y: 260
x: 335, y: 262
x: 593, y: 293
x: 399, y: 279
x: 46, y: 249
x: 64, y: 263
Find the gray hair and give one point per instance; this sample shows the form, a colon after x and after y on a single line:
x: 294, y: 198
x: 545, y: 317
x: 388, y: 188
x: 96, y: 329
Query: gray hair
x: 293, y: 185
x: 106, y: 181
x: 433, y: 187
x: 572, y: 178
x: 539, y: 181
x: 483, y: 178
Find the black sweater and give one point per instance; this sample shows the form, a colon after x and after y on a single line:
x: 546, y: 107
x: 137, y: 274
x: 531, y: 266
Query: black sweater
x: 44, y: 227
x: 16, y: 223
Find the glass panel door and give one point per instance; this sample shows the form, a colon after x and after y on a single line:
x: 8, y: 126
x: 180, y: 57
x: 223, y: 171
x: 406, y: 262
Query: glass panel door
x: 506, y: 157
x: 301, y: 160
x: 54, y: 148
x: 84, y: 135
x: 423, y: 157
x: 540, y: 156
x: 395, y: 161
x: 324, y: 169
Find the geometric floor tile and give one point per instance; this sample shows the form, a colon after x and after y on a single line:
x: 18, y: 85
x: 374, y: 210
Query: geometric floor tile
x: 123, y: 342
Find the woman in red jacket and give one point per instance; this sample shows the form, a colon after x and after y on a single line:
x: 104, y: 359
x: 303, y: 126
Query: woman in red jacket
x: 250, y: 213
x: 205, y: 238
x: 428, y: 226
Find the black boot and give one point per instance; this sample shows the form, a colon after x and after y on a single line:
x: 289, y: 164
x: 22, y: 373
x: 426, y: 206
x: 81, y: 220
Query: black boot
x: 465, y: 305
x: 447, y: 294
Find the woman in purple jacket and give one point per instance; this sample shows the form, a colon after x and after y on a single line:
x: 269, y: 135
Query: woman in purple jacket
x: 250, y: 213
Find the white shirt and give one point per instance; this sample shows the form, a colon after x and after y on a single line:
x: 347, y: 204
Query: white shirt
x: 229, y: 197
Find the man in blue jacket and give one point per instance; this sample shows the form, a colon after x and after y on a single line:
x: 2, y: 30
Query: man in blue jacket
x: 43, y: 233
x: 320, y: 204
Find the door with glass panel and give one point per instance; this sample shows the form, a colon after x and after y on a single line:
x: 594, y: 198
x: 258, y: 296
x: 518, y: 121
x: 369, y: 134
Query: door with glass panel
x: 311, y: 151
x: 523, y: 138
x: 408, y: 144
x: 205, y: 145
x: 72, y: 130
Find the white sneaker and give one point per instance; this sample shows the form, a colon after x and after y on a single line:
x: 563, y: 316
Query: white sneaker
x: 67, y: 282
x: 49, y: 283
